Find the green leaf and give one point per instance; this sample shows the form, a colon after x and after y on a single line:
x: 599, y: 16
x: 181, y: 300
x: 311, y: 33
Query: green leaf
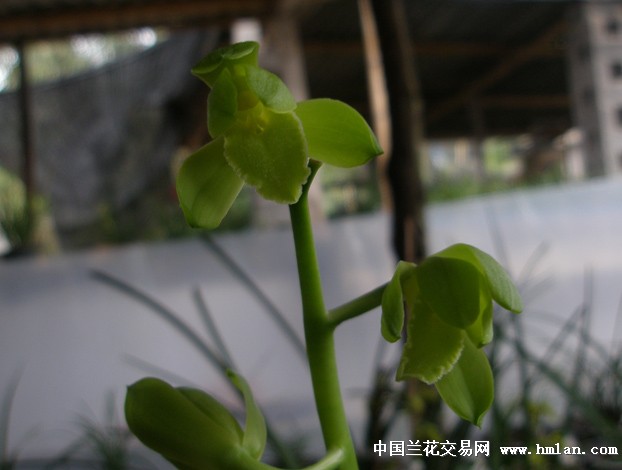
x: 336, y: 133
x: 209, y: 68
x: 222, y: 105
x: 451, y: 288
x: 207, y: 186
x: 164, y: 419
x: 392, y: 320
x: 270, y: 90
x: 469, y: 389
x: 432, y: 346
x: 501, y: 286
x: 269, y: 152
x: 255, y: 433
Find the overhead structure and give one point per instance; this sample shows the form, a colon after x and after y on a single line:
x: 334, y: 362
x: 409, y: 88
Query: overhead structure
x: 41, y: 19
x: 485, y: 67
x: 508, y: 58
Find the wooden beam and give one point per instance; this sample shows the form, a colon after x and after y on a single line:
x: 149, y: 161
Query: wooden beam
x: 433, y: 49
x: 42, y: 23
x: 504, y: 68
x: 341, y: 47
x: 458, y: 49
x: 525, y: 101
x: 297, y: 9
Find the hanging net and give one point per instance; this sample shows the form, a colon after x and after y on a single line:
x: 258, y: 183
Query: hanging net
x: 101, y: 137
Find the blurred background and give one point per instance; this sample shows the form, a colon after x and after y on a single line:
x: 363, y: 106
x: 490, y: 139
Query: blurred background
x: 501, y: 122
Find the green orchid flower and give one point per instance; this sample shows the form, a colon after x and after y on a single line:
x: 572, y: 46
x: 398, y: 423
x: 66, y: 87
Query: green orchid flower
x: 449, y: 298
x: 262, y: 137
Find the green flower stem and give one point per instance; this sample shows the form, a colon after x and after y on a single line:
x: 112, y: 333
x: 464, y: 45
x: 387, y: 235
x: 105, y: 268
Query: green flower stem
x: 319, y: 336
x: 356, y: 307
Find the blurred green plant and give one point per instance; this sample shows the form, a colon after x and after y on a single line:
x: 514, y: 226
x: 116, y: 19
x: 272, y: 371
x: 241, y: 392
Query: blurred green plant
x: 104, y: 446
x: 347, y: 191
x: 8, y: 459
x: 590, y: 414
x: 450, y: 188
x: 502, y: 163
x: 15, y: 220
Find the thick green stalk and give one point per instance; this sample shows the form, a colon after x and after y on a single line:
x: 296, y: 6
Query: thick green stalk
x: 319, y: 337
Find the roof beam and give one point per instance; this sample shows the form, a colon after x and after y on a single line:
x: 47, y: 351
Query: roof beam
x: 501, y: 70
x: 433, y: 49
x: 525, y: 101
x: 37, y: 24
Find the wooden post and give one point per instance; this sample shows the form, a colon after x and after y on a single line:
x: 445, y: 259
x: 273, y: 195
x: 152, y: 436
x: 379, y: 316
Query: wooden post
x: 377, y: 95
x: 26, y: 134
x: 404, y: 170
x: 406, y: 129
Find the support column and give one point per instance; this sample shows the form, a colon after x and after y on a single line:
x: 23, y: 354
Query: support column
x: 377, y: 96
x: 26, y: 131
x: 406, y: 110
x: 595, y: 65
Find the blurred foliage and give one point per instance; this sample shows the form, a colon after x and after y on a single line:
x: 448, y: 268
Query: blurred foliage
x: 25, y: 229
x: 347, y: 191
x: 455, y: 172
x: 105, y: 446
x: 155, y: 214
x: 15, y: 221
x: 449, y: 188
x: 152, y: 216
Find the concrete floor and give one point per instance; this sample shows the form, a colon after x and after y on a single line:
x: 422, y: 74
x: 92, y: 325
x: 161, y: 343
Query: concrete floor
x: 75, y: 340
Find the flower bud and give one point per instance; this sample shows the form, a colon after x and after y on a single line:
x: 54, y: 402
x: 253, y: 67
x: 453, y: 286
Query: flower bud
x: 243, y: 53
x: 186, y: 426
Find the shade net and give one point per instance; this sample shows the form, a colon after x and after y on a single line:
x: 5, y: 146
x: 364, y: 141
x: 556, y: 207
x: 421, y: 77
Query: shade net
x: 101, y: 137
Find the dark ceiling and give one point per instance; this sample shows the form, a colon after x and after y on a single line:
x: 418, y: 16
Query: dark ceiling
x: 503, y: 60
x: 493, y: 67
